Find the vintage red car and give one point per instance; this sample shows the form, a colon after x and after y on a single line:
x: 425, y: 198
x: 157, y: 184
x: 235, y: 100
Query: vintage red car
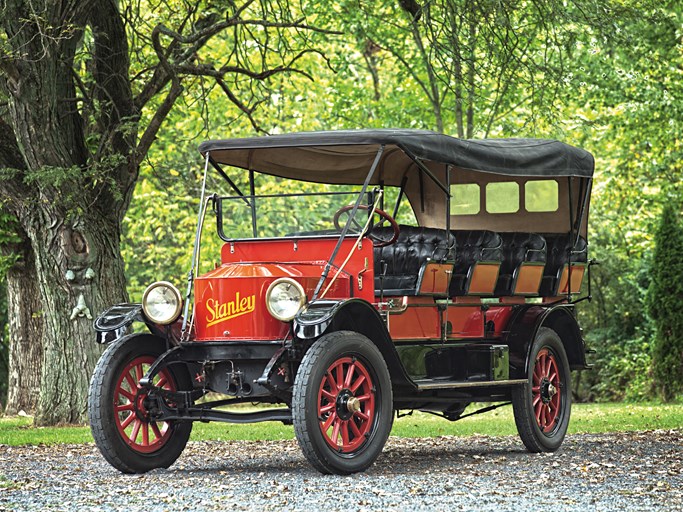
x: 324, y: 302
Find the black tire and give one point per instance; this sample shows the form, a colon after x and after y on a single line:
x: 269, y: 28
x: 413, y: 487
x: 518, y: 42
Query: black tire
x: 113, y: 377
x: 542, y: 406
x: 358, y: 441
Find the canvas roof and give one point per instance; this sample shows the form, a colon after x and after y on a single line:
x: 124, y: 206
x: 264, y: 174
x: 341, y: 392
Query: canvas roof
x: 345, y: 156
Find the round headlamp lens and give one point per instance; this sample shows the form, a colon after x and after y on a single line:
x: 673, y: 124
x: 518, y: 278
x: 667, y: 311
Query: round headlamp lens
x: 162, y: 303
x: 284, y: 298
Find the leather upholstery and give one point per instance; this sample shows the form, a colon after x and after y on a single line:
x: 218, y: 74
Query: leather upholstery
x: 414, y: 247
x: 557, y: 257
x: 518, y: 248
x: 472, y: 246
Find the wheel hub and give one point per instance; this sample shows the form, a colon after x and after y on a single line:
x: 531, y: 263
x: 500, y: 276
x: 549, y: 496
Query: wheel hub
x: 347, y: 404
x: 548, y: 391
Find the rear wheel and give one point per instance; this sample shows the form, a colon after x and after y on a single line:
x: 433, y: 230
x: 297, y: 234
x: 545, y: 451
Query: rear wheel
x: 542, y: 406
x: 120, y: 422
x: 342, y: 406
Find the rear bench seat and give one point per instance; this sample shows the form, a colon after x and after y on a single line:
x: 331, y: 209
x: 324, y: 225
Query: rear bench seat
x: 415, y: 247
x: 483, y: 262
x: 556, y: 274
x: 478, y: 255
x: 524, y: 257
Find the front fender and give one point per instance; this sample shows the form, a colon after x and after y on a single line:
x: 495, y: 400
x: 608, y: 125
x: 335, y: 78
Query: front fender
x: 354, y: 315
x: 113, y: 323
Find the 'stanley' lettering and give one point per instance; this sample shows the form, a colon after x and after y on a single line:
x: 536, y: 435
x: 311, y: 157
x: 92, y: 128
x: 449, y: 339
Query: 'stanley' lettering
x: 220, y: 312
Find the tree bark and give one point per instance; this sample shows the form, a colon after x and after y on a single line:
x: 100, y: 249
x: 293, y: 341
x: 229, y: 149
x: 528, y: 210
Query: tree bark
x: 68, y: 201
x: 25, y: 319
x: 80, y: 273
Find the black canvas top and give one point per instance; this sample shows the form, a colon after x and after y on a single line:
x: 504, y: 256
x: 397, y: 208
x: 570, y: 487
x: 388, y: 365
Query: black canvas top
x: 346, y: 156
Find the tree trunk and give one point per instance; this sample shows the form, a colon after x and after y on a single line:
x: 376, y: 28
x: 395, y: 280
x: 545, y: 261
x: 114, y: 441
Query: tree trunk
x: 25, y: 319
x: 80, y: 273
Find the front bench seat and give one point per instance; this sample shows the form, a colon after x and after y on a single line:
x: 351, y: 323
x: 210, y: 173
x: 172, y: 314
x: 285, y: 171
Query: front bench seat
x: 477, y: 261
x: 415, y: 247
x: 524, y: 256
x: 555, y: 275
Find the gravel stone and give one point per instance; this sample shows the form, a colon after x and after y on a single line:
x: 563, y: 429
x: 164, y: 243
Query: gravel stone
x: 606, y: 472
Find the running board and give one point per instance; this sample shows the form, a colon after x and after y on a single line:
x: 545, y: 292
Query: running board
x: 427, y: 384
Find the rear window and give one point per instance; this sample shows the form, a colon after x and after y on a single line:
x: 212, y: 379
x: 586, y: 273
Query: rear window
x: 541, y: 196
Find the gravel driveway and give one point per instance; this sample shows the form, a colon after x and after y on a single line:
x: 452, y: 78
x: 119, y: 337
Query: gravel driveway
x: 627, y: 471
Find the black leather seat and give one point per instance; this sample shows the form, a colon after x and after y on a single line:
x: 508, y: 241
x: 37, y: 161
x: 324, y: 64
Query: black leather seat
x: 558, y: 247
x: 472, y: 247
x: 415, y: 247
x: 518, y: 248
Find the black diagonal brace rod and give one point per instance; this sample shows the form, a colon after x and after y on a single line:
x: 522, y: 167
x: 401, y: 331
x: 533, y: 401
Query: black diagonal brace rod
x: 330, y: 261
x: 426, y: 170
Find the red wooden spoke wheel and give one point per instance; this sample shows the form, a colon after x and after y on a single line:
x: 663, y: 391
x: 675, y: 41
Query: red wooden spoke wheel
x: 342, y: 403
x: 118, y: 408
x: 132, y: 418
x: 542, y: 406
x: 346, y: 404
x: 545, y: 390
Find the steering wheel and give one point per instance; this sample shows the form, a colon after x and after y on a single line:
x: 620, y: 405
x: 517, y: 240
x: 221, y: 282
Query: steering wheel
x: 376, y: 240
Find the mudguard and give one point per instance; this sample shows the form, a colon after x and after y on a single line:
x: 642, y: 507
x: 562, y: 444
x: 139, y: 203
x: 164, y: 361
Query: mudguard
x: 356, y: 315
x: 524, y: 326
x: 113, y: 323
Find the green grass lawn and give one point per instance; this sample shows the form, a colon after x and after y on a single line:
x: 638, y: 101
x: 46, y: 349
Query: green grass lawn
x: 594, y: 418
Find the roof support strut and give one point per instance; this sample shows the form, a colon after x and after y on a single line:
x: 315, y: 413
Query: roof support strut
x: 352, y: 215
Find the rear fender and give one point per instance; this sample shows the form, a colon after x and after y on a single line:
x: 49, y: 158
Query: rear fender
x: 356, y: 315
x: 524, y: 326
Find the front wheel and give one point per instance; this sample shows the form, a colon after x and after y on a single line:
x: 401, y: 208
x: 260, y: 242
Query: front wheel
x: 342, y: 407
x: 542, y: 406
x: 121, y: 425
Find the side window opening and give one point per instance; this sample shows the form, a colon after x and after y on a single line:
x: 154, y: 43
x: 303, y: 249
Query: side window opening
x: 502, y: 197
x: 465, y: 199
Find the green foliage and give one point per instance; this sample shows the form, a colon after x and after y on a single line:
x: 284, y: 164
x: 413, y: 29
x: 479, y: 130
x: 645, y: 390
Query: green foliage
x: 665, y: 303
x: 607, y: 76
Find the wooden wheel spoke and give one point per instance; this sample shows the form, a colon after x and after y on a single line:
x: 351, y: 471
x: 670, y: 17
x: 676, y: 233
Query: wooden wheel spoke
x: 354, y: 428
x: 357, y: 384
x: 130, y: 396
x: 340, y: 376
x: 128, y: 420
x: 136, y: 430
x: 124, y: 407
x: 157, y: 432
x: 332, y: 382
x: 362, y: 415
x: 145, y: 434
x: 327, y: 408
x: 335, y: 430
x: 328, y: 422
x: 349, y: 375
x: 131, y: 382
x: 345, y: 433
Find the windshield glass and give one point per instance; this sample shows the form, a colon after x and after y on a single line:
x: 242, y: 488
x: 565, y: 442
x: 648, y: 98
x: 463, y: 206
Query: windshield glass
x: 324, y: 211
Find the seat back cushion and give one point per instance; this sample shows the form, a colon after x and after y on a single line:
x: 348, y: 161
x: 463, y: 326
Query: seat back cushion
x: 415, y: 246
x: 472, y: 247
x: 518, y: 248
x: 558, y: 246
